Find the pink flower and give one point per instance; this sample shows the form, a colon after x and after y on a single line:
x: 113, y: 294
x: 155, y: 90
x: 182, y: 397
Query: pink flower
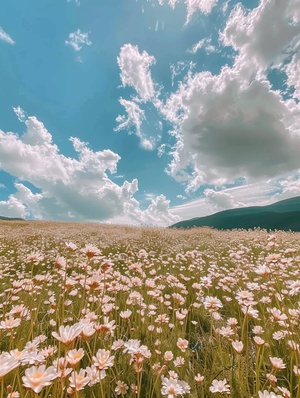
x: 79, y: 380
x: 37, y: 378
x: 277, y: 363
x: 182, y: 344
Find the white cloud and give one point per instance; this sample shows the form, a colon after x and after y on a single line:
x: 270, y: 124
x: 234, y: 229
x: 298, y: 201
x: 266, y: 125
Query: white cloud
x: 5, y: 37
x: 220, y: 200
x: 205, y: 44
x: 135, y: 71
x: 77, y: 188
x: 293, y: 76
x: 192, y: 6
x: 233, y: 124
x: 77, y: 39
x: 178, y: 68
x: 21, y: 115
x: 197, y: 46
x: 228, y: 128
x: 264, y: 35
x: 12, y: 208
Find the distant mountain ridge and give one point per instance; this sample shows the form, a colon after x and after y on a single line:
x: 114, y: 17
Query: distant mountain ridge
x: 283, y: 215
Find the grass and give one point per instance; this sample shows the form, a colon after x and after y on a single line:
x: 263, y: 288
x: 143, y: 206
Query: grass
x: 105, y: 311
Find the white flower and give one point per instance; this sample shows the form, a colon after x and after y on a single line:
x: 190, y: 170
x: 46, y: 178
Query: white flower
x: 220, y: 386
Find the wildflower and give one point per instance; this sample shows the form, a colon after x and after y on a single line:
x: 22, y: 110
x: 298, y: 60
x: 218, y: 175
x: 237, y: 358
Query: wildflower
x: 10, y: 323
x: 272, y: 379
x: 258, y: 341
x: 257, y: 330
x: 79, y: 380
x: 103, y: 360
x: 88, y: 330
x: 232, y: 322
x: 71, y: 246
x: 14, y: 394
x: 74, y: 356
x: 168, y: 356
x: 182, y: 344
x: 293, y: 345
x: 37, y: 378
x: 220, y: 386
x: 108, y: 327
x: 296, y: 370
x: 212, y: 303
x: 199, y: 378
x: 90, y: 251
x: 278, y: 335
x: 178, y: 362
x: 267, y: 394
x: 174, y: 387
x: 121, y: 388
x: 7, y: 364
x: 131, y: 346
x: 277, y: 363
x: 116, y: 345
x: 125, y: 314
x: 68, y: 333
x: 60, y: 365
x: 238, y: 346
x: 286, y: 393
x: 226, y: 331
x: 95, y: 375
x: 60, y: 263
x: 34, y: 257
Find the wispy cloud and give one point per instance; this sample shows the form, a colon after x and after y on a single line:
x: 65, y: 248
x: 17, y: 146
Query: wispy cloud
x: 205, y: 6
x: 77, y: 39
x: 20, y: 113
x: 5, y: 37
x: 75, y: 1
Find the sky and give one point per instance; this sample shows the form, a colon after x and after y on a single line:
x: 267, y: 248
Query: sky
x: 147, y: 112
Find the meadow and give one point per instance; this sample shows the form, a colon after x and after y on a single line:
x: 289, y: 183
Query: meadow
x: 101, y: 311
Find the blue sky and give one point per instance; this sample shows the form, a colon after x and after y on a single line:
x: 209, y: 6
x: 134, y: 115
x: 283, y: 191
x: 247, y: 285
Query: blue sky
x: 147, y: 112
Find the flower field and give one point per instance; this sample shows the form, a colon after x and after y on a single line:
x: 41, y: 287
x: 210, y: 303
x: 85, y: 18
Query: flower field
x: 88, y: 310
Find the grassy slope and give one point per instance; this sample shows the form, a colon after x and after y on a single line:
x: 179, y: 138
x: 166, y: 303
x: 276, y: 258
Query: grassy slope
x: 283, y: 215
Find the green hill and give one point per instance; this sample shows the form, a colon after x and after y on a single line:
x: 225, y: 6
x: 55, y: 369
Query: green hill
x: 10, y: 219
x: 283, y: 215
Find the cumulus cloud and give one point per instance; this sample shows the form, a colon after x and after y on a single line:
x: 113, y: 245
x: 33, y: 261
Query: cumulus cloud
x: 205, y: 6
x: 221, y: 200
x: 264, y: 35
x: 230, y: 128
x: 233, y: 124
x: 135, y: 71
x: 77, y: 188
x: 5, y: 37
x: 293, y: 76
x: 77, y: 39
x: 13, y: 208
